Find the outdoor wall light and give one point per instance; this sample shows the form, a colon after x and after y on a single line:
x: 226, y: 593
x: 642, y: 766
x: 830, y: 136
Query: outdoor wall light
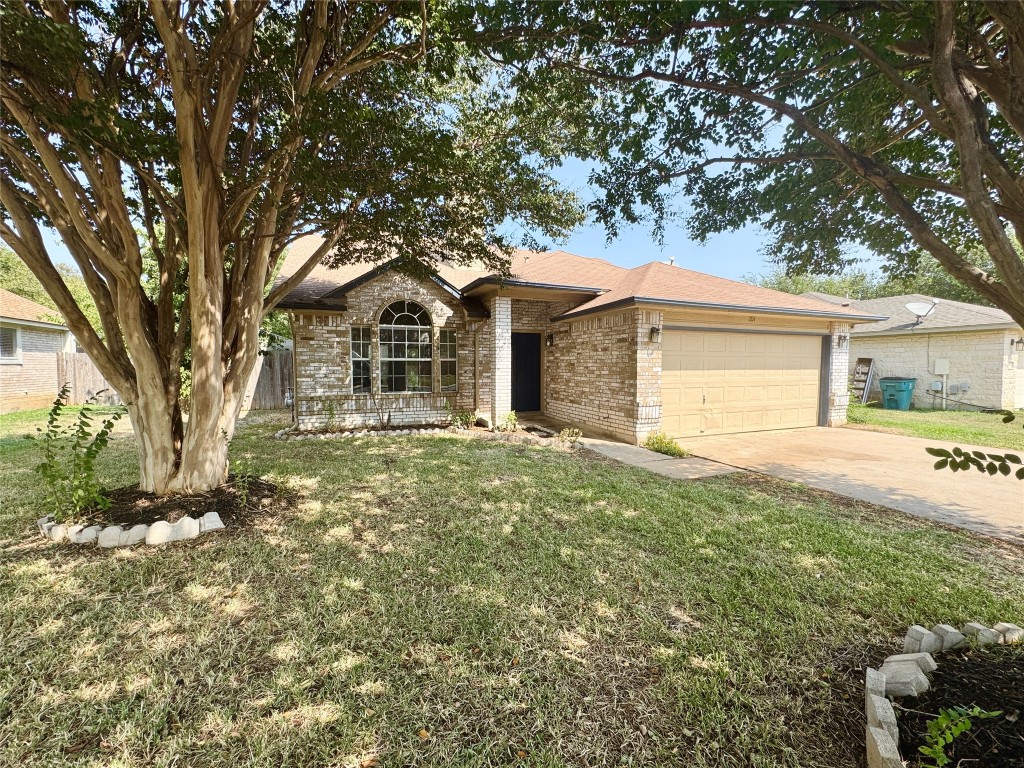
x: 1018, y: 344
x: 549, y: 340
x: 655, y: 334
x: 842, y: 341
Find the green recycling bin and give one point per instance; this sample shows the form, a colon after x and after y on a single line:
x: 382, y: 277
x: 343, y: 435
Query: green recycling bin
x: 897, y: 392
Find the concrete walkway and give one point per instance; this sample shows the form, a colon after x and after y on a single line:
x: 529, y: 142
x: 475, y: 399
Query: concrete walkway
x: 891, y: 470
x: 689, y: 468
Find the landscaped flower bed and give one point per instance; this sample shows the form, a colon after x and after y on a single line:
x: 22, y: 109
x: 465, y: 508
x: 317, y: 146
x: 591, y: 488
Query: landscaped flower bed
x: 989, y: 677
x: 135, y: 517
x: 523, y: 436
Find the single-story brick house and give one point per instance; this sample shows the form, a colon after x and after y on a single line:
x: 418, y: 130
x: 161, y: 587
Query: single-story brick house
x: 978, y: 344
x: 30, y: 338
x: 616, y: 351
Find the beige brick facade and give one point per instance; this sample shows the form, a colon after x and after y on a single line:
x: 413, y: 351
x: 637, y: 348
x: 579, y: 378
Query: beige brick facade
x: 606, y: 374
x: 980, y: 359
x: 323, y: 370
x: 839, y: 374
x: 601, y: 373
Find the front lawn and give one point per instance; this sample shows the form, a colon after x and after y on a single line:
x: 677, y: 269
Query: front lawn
x: 445, y: 601
x: 964, y: 427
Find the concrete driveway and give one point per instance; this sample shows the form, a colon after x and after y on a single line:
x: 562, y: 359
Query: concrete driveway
x: 891, y: 470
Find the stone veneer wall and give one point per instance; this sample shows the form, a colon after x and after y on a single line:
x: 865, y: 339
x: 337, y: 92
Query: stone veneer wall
x: 839, y: 376
x: 323, y: 373
x: 981, y: 359
x: 605, y: 374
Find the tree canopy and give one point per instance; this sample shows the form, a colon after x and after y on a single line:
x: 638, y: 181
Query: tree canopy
x: 857, y: 283
x: 223, y: 131
x: 17, y: 278
x: 895, y: 126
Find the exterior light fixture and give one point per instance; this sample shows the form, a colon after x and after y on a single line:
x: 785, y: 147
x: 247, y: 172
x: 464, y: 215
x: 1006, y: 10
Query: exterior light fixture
x: 549, y: 340
x: 842, y: 341
x: 655, y: 334
x: 1018, y: 344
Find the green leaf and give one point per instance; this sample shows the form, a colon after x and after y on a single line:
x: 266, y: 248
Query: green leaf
x: 938, y: 452
x: 941, y: 463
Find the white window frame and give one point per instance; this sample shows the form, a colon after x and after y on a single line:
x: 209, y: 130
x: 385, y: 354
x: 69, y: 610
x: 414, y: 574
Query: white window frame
x: 405, y: 329
x: 352, y: 359
x: 453, y: 359
x: 17, y: 359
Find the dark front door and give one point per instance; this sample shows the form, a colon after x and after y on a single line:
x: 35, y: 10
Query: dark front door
x: 525, y: 372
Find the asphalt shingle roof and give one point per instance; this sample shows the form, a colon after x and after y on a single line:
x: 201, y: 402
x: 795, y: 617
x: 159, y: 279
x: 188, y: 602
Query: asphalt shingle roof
x: 947, y: 315
x: 15, y: 307
x: 654, y: 282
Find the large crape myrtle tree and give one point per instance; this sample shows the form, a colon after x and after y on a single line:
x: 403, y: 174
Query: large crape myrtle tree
x: 208, y: 136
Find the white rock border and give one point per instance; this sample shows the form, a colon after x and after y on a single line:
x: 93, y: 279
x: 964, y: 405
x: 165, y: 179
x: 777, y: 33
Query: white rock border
x: 290, y: 433
x: 160, y: 532
x: 904, y: 674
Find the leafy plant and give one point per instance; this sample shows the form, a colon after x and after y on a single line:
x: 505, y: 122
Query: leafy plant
x: 459, y: 419
x: 70, y: 451
x: 959, y: 459
x: 662, y: 443
x: 571, y: 436
x: 507, y: 423
x: 946, y: 727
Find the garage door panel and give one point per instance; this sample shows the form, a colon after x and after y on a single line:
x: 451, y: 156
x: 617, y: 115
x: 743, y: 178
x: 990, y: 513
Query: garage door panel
x: 715, y: 382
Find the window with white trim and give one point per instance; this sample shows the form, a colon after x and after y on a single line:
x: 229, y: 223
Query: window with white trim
x: 406, y: 351
x: 10, y: 347
x: 360, y: 358
x: 449, y: 364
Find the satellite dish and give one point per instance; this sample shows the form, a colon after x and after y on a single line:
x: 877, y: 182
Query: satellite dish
x: 921, y: 309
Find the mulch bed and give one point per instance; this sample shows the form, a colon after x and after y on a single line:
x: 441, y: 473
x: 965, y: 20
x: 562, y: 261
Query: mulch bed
x: 237, y: 501
x: 991, y: 678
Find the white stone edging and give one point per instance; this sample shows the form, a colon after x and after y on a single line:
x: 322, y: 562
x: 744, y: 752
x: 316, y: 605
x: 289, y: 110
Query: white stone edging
x: 160, y: 532
x: 905, y: 674
x: 506, y: 437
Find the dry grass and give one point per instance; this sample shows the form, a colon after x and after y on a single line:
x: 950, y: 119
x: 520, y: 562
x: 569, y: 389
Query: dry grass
x: 440, y: 601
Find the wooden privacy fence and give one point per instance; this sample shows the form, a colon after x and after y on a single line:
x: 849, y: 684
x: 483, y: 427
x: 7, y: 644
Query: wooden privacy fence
x: 274, y: 381
x: 272, y: 386
x: 84, y: 379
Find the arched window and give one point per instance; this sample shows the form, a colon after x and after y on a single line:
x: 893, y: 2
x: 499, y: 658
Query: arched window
x: 405, y: 348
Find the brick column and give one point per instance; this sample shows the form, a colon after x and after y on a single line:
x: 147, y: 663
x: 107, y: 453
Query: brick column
x: 839, y: 379
x: 501, y: 328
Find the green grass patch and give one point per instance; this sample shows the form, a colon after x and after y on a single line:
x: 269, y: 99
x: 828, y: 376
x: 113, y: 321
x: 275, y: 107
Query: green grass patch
x: 515, y: 604
x: 970, y: 427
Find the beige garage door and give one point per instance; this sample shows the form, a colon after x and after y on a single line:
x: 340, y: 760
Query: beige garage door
x: 714, y: 383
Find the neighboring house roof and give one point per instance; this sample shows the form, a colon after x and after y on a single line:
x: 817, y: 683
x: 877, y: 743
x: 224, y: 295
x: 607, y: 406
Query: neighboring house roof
x: 15, y: 307
x: 947, y: 315
x: 611, y: 285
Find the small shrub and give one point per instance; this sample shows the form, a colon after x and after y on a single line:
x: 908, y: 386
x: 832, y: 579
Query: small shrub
x: 662, y: 443
x: 507, y: 423
x: 570, y: 436
x: 70, y: 451
x: 944, y: 729
x: 460, y: 419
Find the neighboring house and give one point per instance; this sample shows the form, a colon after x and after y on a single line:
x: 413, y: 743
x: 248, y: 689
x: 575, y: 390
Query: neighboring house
x: 621, y: 352
x: 31, y: 335
x: 982, y: 347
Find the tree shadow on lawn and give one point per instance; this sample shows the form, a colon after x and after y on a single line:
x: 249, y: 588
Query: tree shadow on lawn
x: 515, y: 604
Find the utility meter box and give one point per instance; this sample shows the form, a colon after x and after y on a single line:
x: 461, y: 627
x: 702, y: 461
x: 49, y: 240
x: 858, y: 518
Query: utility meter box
x: 935, y: 386
x: 940, y: 367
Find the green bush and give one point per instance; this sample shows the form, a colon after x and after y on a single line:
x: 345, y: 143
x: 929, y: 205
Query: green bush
x: 70, y: 451
x: 507, y: 423
x: 662, y: 443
